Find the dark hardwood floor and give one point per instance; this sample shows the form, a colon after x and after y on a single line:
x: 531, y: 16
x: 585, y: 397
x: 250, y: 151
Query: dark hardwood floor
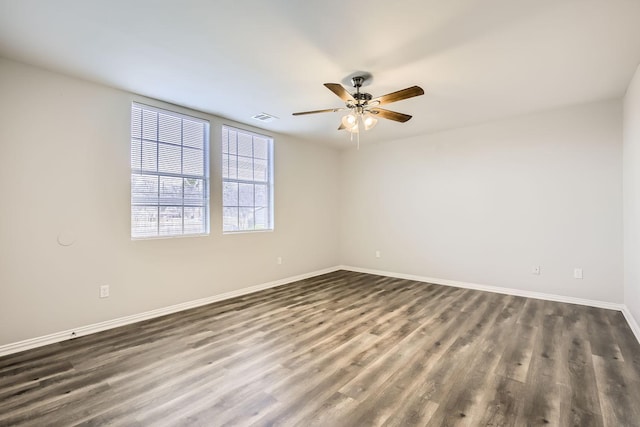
x: 342, y: 349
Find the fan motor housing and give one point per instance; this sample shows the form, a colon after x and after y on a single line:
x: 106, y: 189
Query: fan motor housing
x: 362, y: 96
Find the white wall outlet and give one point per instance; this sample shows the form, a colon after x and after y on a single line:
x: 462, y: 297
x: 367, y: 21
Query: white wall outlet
x: 104, y: 291
x: 377, y: 254
x: 279, y: 260
x: 535, y: 270
x: 577, y: 273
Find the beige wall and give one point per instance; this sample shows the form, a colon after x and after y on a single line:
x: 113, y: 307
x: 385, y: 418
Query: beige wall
x: 64, y: 168
x: 631, y: 187
x: 484, y: 204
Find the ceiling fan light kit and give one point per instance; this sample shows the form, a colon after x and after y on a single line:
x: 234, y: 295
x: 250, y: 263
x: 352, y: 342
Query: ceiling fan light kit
x: 354, y: 122
x: 364, y: 108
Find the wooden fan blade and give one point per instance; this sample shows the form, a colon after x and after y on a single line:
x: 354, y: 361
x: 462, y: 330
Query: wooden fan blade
x: 391, y: 115
x: 328, y: 110
x: 409, y: 92
x: 339, y: 90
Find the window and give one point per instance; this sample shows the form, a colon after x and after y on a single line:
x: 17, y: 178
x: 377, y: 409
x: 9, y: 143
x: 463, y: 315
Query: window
x: 169, y: 173
x: 247, y: 181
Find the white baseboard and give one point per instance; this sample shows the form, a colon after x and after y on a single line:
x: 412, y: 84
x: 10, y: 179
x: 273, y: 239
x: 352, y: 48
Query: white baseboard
x: 633, y: 323
x: 127, y: 320
x: 488, y: 288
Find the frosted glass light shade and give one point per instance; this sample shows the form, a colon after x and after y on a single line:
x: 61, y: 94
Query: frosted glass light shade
x: 369, y: 121
x: 349, y: 121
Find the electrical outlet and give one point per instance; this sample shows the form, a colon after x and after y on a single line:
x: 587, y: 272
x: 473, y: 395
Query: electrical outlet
x: 104, y: 291
x: 577, y: 273
x: 279, y: 260
x: 536, y: 270
x: 377, y: 254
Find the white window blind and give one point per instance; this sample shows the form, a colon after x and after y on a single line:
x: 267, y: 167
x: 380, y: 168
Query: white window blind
x: 169, y: 173
x: 247, y: 181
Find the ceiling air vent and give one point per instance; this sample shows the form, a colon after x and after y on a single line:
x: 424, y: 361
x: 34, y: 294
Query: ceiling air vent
x: 264, y: 117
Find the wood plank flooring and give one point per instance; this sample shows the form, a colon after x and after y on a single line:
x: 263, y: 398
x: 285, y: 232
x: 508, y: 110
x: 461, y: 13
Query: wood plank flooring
x: 342, y: 349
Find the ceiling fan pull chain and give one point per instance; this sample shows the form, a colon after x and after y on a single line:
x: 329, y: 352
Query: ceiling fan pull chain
x: 361, y: 124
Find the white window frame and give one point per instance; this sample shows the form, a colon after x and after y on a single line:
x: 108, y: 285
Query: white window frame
x: 269, y: 182
x: 159, y: 204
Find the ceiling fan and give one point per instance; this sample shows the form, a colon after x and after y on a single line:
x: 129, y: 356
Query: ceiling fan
x: 363, y: 107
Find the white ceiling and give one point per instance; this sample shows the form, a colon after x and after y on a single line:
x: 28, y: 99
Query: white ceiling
x: 477, y: 60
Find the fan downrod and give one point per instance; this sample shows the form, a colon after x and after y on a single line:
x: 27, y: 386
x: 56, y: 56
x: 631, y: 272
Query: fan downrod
x: 357, y: 82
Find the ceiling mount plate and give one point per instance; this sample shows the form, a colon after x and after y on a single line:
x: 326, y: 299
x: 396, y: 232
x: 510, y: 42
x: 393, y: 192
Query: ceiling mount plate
x: 367, y: 78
